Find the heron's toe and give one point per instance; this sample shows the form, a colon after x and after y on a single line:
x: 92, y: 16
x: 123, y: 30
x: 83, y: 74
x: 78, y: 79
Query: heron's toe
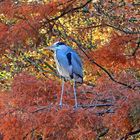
x: 76, y: 106
x: 60, y: 105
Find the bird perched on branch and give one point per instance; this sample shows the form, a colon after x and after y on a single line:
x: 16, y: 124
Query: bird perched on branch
x: 69, y: 66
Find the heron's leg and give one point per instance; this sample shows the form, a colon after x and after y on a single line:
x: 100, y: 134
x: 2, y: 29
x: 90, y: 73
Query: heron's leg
x: 62, y: 91
x: 75, y: 97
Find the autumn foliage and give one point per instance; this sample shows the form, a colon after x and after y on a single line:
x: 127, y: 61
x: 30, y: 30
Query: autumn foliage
x: 106, y: 36
x: 31, y: 110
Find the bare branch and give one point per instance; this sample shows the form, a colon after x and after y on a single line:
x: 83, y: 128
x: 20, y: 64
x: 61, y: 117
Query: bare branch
x: 136, y: 49
x: 39, y: 68
x: 71, y: 10
x: 130, y: 134
x: 94, y: 105
x: 104, y: 112
x: 125, y: 30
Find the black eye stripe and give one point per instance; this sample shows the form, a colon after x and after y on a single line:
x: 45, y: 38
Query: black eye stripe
x: 60, y: 43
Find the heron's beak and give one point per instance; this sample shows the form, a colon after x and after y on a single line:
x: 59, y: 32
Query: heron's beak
x: 50, y: 48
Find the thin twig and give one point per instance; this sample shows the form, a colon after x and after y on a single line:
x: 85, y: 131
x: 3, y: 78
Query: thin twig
x: 94, y: 105
x: 125, y: 30
x: 42, y: 108
x: 104, y: 112
x: 130, y: 134
x: 136, y: 49
x: 39, y: 68
x: 71, y: 10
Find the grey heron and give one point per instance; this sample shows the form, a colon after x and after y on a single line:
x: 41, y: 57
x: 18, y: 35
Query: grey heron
x: 69, y: 66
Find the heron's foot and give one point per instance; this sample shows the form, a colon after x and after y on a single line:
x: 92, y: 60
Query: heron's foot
x: 76, y: 106
x: 60, y: 105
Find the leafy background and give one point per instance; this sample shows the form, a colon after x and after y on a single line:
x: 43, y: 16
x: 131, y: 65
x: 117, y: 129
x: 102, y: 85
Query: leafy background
x: 106, y: 36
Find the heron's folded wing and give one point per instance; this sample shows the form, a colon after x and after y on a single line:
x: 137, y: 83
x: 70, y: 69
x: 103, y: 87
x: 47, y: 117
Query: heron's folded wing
x: 76, y: 64
x: 64, y: 61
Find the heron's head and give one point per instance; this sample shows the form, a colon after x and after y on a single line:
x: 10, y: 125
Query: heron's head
x: 57, y: 45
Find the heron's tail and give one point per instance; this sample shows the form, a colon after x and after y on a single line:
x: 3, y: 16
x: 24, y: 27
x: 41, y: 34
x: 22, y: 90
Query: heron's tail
x: 78, y: 78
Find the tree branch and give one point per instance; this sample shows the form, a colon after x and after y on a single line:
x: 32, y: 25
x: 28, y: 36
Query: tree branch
x: 100, y: 113
x: 94, y: 105
x: 136, y: 49
x: 38, y: 67
x: 127, y: 31
x: 71, y: 10
x: 130, y: 134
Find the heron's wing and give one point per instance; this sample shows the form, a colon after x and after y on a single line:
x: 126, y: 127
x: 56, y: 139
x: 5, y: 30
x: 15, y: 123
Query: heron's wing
x: 64, y: 61
x: 70, y: 63
x: 76, y: 64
